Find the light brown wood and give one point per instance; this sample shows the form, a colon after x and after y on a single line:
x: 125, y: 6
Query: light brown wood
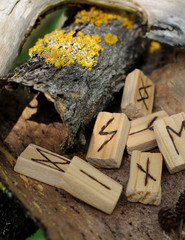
x: 141, y: 136
x: 108, y: 140
x: 75, y: 176
x: 92, y: 186
x: 144, y: 183
x: 170, y: 136
x: 138, y: 95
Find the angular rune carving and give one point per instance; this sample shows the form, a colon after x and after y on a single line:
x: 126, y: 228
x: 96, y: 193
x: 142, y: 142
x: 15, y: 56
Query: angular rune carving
x: 140, y: 93
x: 146, y: 172
x: 55, y: 165
x: 112, y: 133
x: 149, y: 127
x: 168, y: 128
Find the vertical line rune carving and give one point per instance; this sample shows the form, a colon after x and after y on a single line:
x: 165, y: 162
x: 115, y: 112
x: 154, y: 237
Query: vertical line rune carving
x: 95, y: 179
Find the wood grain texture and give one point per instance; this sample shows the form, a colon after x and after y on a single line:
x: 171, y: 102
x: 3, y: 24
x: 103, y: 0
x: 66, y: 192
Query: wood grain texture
x: 76, y: 177
x: 144, y: 183
x: 138, y: 95
x: 170, y: 136
x: 141, y: 136
x: 108, y: 140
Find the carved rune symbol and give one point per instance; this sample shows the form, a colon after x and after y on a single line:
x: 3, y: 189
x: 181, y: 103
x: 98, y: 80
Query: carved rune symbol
x: 168, y: 128
x: 146, y: 172
x: 93, y: 178
x: 55, y: 165
x: 112, y: 133
x: 146, y: 93
x: 149, y: 127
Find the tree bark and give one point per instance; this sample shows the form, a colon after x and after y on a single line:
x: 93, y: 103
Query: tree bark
x: 78, y: 93
x: 18, y: 18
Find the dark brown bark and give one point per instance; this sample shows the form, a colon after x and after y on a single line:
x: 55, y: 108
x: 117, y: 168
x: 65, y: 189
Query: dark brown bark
x: 81, y: 92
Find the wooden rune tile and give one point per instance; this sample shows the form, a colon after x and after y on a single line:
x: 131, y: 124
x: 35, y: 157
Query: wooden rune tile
x: 138, y: 95
x: 141, y: 136
x: 75, y: 176
x: 144, y: 183
x: 108, y: 140
x: 170, y: 136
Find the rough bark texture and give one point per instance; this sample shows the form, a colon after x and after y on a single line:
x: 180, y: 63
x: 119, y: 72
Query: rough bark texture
x: 18, y: 18
x: 79, y: 94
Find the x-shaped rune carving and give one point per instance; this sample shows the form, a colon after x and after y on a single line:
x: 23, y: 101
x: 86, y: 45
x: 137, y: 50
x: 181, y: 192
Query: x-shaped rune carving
x: 146, y: 172
x: 53, y: 164
x: 146, y: 93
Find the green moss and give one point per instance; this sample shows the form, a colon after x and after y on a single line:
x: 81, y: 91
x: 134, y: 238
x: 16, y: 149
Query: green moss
x: 37, y: 236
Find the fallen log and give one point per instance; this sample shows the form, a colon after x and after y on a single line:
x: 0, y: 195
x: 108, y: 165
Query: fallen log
x: 80, y: 68
x: 165, y: 19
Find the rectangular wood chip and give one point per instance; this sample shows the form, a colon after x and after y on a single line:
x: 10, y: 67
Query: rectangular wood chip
x: 144, y: 183
x: 170, y: 136
x: 75, y: 176
x: 138, y: 95
x: 141, y: 136
x: 108, y: 140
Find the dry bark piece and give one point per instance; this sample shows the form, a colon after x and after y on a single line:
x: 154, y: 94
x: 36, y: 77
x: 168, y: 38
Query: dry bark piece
x: 141, y: 136
x: 96, y: 71
x: 17, y: 18
x: 144, y: 183
x: 170, y: 137
x: 138, y: 95
x: 39, y: 123
x: 74, y: 176
x: 108, y: 140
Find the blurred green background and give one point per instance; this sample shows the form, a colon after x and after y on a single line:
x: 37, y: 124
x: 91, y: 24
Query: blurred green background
x: 51, y: 22
x: 37, y: 236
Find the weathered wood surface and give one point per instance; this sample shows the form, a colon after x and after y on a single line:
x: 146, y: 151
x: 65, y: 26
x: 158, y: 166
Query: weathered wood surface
x: 79, y: 94
x: 75, y: 176
x: 108, y: 140
x: 61, y: 215
x: 18, y: 18
x: 144, y: 183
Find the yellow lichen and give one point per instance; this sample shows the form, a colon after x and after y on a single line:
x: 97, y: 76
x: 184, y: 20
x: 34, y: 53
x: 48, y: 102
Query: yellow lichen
x: 61, y: 49
x: 98, y: 17
x: 110, y: 39
x: 154, y: 46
